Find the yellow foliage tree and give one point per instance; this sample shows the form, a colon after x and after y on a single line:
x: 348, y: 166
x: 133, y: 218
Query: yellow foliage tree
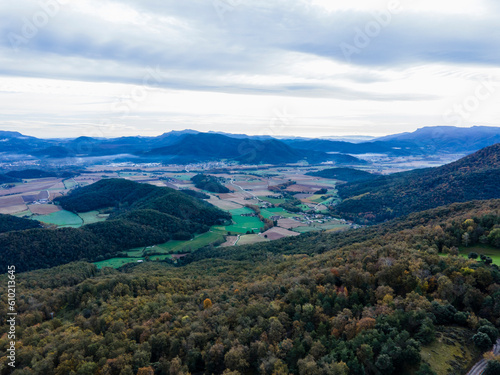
x: 207, y: 303
x: 146, y: 371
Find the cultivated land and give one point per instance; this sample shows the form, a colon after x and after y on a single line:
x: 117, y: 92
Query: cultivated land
x: 61, y: 218
x: 249, y: 186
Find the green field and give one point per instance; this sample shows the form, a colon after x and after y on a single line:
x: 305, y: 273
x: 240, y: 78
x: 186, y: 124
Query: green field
x: 69, y: 184
x: 273, y: 200
x: 116, y: 262
x: 23, y: 213
x: 241, y: 211
x: 317, y: 226
x: 242, y: 224
x: 92, y: 217
x: 61, y: 219
x: 165, y: 249
x: 451, y: 346
x: 196, y: 243
x: 332, y: 183
x: 277, y: 211
x: 169, y: 247
x: 316, y: 198
x: 183, y: 177
x: 492, y: 252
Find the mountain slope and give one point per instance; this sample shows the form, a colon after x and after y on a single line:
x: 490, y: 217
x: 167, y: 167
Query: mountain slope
x: 449, y: 138
x: 476, y: 176
x: 370, y: 301
x: 207, y: 147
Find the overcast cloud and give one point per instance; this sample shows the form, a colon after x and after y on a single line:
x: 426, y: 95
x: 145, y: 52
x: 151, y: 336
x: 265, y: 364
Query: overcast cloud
x: 308, y: 68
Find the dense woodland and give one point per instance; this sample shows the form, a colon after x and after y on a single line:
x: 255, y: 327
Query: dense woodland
x: 10, y: 223
x: 141, y: 215
x: 476, y: 176
x: 209, y: 183
x: 358, y: 302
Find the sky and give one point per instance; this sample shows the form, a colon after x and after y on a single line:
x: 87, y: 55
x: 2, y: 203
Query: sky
x: 314, y: 68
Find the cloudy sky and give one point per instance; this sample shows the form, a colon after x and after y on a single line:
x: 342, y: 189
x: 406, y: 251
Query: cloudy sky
x: 279, y: 67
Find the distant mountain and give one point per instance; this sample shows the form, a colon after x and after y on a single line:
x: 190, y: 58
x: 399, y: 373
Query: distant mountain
x: 344, y: 174
x: 192, y: 146
x: 449, y: 139
x: 475, y: 177
x: 10, y: 135
x: 207, y: 147
x: 324, y: 145
x: 180, y: 147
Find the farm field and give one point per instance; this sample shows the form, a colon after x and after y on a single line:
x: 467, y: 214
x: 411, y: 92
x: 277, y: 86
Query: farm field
x: 92, y: 217
x: 243, y: 224
x: 43, y: 209
x: 276, y: 233
x: 277, y: 211
x: 166, y: 249
x: 199, y: 241
x: 482, y: 250
x: 249, y: 239
x: 116, y: 262
x: 25, y: 213
x: 69, y: 184
x: 61, y: 219
x: 241, y: 211
x: 273, y: 200
x: 317, y: 226
x: 224, y: 204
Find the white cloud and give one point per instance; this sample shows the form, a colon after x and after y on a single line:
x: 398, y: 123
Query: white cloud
x: 237, y: 68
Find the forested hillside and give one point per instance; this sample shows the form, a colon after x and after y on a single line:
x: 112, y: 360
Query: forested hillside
x: 142, y: 215
x: 476, y: 176
x: 209, y: 183
x: 9, y: 223
x: 206, y: 147
x: 361, y: 302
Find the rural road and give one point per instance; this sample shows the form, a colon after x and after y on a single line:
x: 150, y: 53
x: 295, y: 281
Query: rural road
x: 479, y: 367
x: 244, y: 191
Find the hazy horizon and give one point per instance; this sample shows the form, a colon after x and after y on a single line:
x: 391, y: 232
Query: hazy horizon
x: 278, y: 136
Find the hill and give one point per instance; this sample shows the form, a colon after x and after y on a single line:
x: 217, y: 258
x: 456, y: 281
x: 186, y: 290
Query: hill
x: 30, y: 173
x: 9, y: 223
x: 208, y: 147
x: 4, y: 179
x: 376, y: 300
x: 476, y: 176
x: 142, y: 215
x: 449, y: 138
x: 209, y: 183
x: 344, y: 174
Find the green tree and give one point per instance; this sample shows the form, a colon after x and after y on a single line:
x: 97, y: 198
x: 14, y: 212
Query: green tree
x: 492, y: 368
x: 482, y: 341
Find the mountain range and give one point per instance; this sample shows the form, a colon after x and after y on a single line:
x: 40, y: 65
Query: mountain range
x: 181, y: 147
